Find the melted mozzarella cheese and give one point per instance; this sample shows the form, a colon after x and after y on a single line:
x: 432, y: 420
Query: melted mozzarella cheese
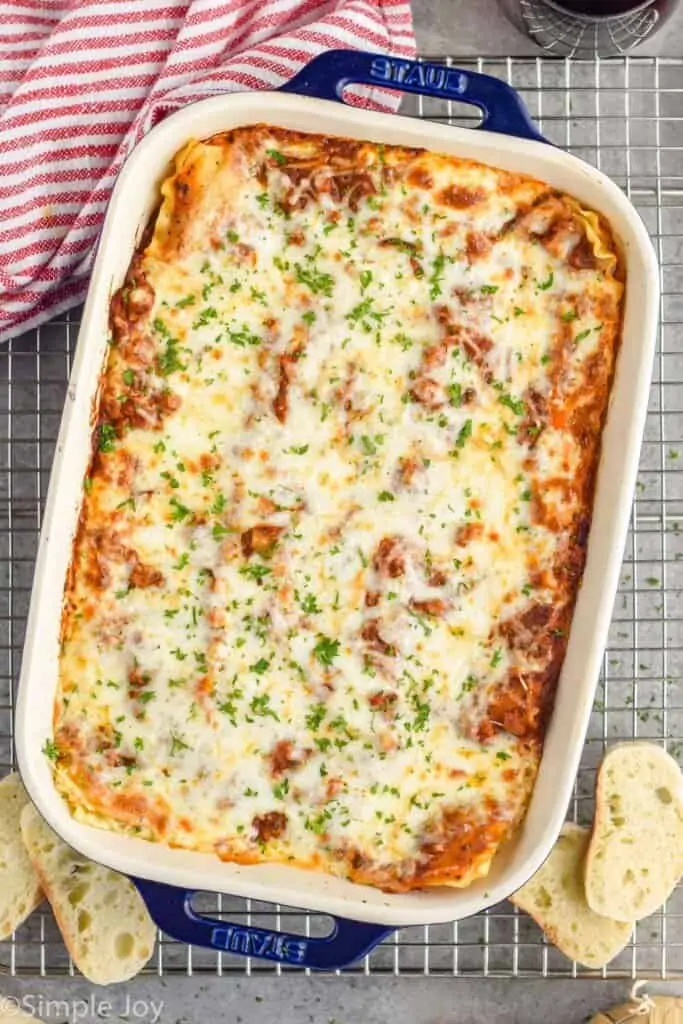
x: 310, y: 698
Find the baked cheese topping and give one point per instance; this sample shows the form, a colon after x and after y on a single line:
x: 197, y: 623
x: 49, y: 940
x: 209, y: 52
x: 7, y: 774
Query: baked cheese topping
x: 336, y: 517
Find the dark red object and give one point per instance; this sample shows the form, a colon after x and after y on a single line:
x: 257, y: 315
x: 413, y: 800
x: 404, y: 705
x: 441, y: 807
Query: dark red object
x: 589, y: 28
x: 605, y: 8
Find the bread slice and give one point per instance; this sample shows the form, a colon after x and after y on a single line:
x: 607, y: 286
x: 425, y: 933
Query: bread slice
x: 11, y: 1014
x: 101, y: 915
x: 635, y: 856
x: 555, y: 898
x: 643, y: 1009
x: 20, y: 891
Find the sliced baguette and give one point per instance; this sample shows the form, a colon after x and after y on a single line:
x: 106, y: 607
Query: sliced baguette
x: 555, y: 898
x: 643, y: 1010
x: 635, y: 857
x: 20, y: 891
x: 101, y: 915
x: 11, y: 1014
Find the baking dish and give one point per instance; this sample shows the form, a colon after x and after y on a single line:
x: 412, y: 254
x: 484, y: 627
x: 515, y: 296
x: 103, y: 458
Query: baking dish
x: 168, y: 878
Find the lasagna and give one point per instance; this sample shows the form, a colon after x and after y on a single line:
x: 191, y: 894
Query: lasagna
x: 337, y: 510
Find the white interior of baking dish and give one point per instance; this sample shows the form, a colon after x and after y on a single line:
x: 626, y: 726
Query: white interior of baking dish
x: 133, y: 200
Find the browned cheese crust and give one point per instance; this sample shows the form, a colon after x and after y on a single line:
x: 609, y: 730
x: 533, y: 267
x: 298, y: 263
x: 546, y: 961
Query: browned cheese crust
x: 336, y: 518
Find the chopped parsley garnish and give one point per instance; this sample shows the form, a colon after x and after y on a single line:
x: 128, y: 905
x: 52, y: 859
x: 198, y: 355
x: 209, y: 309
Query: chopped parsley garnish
x: 255, y: 572
x: 455, y: 394
x: 308, y: 317
x: 422, y: 712
x: 178, y: 744
x: 260, y: 666
x: 169, y: 360
x: 569, y: 315
x: 317, y: 281
x: 436, y: 276
x: 243, y: 337
x: 326, y: 650
x: 403, y: 340
x: 206, y: 315
x: 107, y: 437
x: 51, y: 750
x: 365, y: 279
x: 218, y: 504
x: 318, y: 824
x: 497, y: 658
x: 129, y: 377
x: 582, y: 335
x: 277, y: 156
x: 489, y: 289
x: 502, y: 756
x: 160, y: 327
x: 518, y: 311
x: 364, y: 310
x: 233, y: 237
x: 300, y: 449
x: 548, y: 283
x: 468, y: 685
x: 315, y: 716
x: 179, y: 511
x: 260, y: 706
x: 281, y: 789
x: 464, y: 432
x: 385, y: 496
x: 515, y: 404
x: 308, y: 603
x: 262, y: 200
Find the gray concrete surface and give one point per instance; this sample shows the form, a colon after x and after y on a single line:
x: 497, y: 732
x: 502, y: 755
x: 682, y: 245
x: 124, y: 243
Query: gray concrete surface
x: 304, y: 1000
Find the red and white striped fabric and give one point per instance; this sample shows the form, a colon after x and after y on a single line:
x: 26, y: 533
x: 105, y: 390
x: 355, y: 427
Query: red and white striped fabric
x: 81, y: 81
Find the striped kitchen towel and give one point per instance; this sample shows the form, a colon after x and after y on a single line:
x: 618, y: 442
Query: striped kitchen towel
x: 81, y: 81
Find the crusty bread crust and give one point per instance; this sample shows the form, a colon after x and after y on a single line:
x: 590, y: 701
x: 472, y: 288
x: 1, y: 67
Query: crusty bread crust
x: 635, y: 857
x: 20, y: 891
x: 102, y: 918
x: 555, y: 899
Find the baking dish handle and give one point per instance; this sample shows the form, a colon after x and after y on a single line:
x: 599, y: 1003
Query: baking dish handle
x: 328, y: 74
x: 172, y: 911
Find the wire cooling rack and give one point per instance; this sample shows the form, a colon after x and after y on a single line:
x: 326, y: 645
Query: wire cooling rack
x: 626, y: 117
